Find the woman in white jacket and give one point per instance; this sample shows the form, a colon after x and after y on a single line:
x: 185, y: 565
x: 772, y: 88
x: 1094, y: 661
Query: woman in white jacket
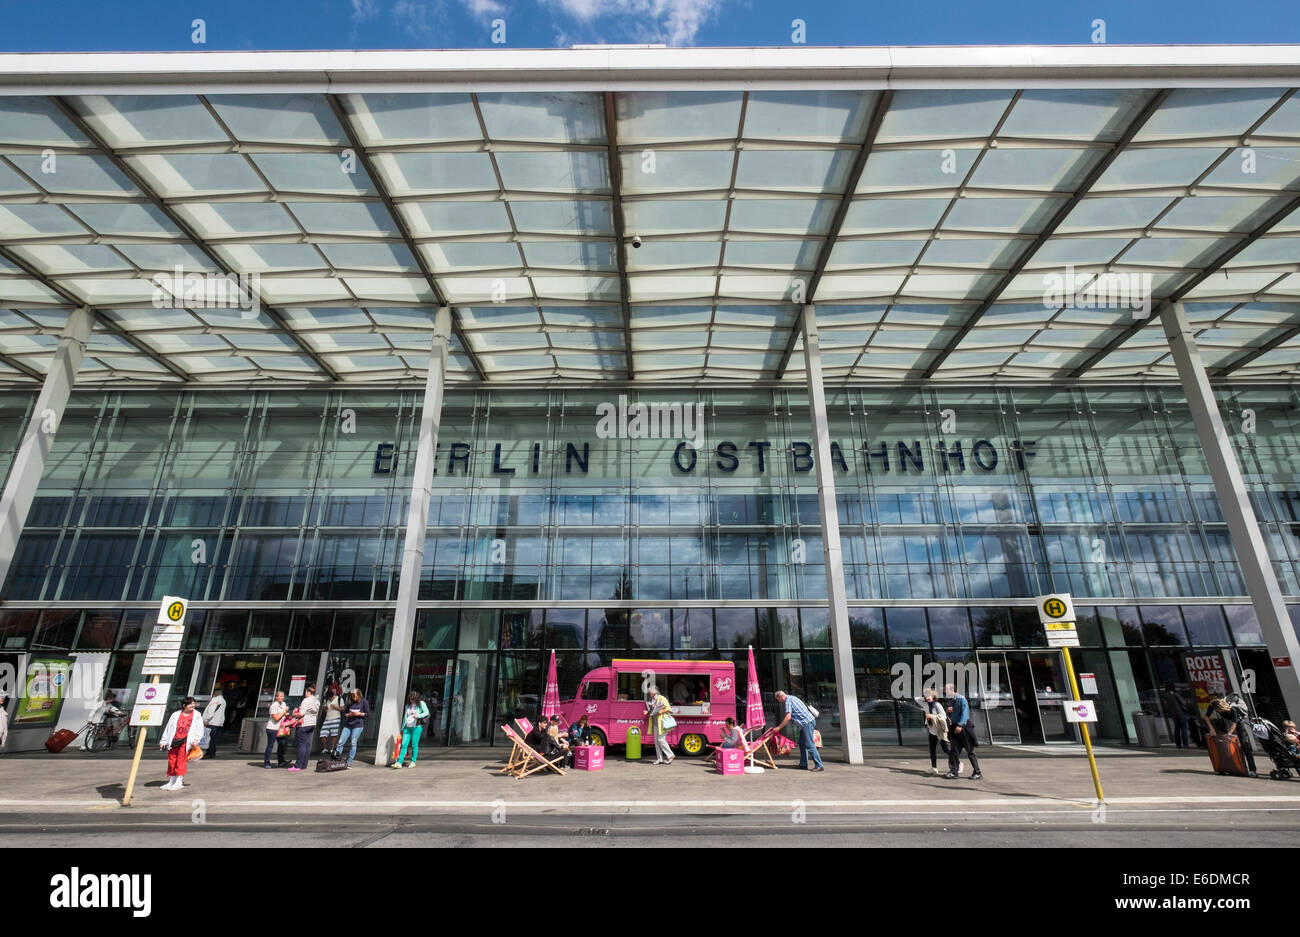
x: 936, y: 721
x: 184, y: 732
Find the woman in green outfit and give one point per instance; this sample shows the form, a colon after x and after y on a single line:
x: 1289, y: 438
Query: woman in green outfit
x: 412, y: 725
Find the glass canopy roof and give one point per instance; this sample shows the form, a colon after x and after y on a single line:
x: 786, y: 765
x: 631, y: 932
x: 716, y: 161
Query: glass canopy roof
x: 942, y: 234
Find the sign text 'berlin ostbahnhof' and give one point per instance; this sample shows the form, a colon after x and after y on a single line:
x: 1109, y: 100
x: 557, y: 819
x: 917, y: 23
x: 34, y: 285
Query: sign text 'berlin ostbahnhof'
x: 904, y: 457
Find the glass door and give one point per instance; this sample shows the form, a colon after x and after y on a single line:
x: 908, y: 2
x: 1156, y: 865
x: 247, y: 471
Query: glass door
x: 996, y: 698
x: 246, y: 680
x: 1047, y: 668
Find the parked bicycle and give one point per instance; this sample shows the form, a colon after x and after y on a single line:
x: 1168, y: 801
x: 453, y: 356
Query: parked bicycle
x: 104, y: 736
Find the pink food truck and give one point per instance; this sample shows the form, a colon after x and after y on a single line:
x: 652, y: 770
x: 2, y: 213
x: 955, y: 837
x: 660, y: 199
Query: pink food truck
x: 702, y: 694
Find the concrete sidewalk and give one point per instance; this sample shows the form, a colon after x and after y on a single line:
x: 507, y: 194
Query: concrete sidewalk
x: 1018, y: 783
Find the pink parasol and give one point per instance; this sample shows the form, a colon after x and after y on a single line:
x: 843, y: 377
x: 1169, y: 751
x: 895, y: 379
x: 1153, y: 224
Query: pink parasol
x: 551, y: 697
x: 754, y: 716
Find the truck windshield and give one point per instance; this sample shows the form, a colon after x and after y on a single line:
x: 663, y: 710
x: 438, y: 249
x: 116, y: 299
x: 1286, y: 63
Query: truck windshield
x: 686, y: 689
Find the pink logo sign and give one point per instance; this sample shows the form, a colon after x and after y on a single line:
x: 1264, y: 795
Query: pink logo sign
x: 149, y: 694
x: 592, y: 707
x: 722, y: 684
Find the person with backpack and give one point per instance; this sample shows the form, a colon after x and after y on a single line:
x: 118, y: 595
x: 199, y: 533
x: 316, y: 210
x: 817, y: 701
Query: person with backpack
x: 414, y: 718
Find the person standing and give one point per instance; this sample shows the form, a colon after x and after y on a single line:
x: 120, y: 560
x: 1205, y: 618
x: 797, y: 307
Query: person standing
x: 354, y: 725
x: 936, y: 723
x: 183, y: 733
x: 796, y: 709
x: 656, y: 710
x: 214, y: 717
x: 4, y: 719
x: 273, y: 739
x: 962, y: 735
x: 329, y: 728
x: 308, y: 709
x: 1176, y: 714
x: 412, y: 725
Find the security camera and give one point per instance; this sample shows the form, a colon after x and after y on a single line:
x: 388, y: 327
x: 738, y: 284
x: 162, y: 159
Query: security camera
x: 636, y: 240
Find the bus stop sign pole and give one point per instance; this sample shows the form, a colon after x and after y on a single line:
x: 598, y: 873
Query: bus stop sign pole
x: 1056, y: 615
x: 1087, y: 740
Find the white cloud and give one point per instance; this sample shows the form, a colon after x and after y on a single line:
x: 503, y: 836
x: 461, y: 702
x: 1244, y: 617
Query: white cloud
x: 675, y: 22
x: 483, y: 7
x: 363, y: 10
x: 419, y: 19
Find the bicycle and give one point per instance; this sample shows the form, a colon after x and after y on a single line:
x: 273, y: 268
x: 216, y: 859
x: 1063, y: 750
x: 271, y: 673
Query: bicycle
x: 104, y: 736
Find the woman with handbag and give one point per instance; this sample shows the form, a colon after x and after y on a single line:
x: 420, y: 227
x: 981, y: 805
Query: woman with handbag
x: 661, y: 720
x: 183, y: 733
x: 936, y: 721
x: 413, y: 720
x: 274, y: 739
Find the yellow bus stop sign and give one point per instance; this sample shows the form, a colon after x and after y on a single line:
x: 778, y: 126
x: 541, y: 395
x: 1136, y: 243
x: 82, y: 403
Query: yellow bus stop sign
x: 1055, y: 608
x: 172, y: 610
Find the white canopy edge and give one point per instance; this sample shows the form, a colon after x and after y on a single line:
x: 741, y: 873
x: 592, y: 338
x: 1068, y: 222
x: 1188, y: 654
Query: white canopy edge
x: 620, y: 68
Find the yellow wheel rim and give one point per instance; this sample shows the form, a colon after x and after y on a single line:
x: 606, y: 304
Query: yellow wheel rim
x: 692, y: 744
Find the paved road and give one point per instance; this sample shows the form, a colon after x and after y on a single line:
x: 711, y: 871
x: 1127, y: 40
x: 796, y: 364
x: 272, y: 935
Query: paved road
x: 1028, y: 798
x: 1172, y: 828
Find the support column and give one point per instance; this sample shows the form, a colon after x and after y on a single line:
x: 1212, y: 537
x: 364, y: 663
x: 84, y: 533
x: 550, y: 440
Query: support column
x: 417, y: 518
x: 845, y: 683
x: 1247, y: 538
x: 38, y: 437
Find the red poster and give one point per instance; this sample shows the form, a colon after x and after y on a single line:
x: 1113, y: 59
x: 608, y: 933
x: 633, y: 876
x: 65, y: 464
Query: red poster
x: 1209, y: 676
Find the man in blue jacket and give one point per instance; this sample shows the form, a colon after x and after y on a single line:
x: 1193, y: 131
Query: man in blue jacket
x: 962, y: 734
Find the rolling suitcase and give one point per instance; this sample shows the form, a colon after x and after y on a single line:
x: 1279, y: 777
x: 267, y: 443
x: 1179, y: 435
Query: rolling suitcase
x: 59, y: 740
x: 1225, y: 755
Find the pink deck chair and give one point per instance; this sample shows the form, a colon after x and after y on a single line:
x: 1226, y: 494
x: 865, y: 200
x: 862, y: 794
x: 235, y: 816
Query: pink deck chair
x: 531, y: 761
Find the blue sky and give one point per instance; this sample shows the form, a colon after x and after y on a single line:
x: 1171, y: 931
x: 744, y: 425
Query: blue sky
x: 148, y: 25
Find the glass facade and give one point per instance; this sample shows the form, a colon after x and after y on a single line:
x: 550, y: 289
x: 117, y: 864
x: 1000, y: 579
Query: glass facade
x: 672, y: 523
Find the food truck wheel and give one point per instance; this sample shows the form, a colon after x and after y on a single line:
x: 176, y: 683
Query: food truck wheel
x: 598, y: 738
x: 693, y: 744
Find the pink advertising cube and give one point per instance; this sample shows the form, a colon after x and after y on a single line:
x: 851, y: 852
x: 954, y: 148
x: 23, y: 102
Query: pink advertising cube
x: 589, y: 758
x: 730, y: 761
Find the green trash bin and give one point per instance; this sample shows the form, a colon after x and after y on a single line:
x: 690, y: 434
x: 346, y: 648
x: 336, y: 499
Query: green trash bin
x: 633, y: 744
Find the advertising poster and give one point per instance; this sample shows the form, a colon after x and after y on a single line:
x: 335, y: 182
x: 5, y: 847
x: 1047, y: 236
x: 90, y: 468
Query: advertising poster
x: 46, y: 681
x: 1208, y: 674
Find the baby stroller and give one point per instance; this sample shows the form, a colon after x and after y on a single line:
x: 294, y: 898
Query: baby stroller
x: 1275, y: 745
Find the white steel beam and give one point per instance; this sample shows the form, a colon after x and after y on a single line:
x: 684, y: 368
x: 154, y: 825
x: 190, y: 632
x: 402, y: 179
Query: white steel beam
x: 38, y: 436
x: 417, y: 516
x: 1247, y: 538
x: 837, y: 598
